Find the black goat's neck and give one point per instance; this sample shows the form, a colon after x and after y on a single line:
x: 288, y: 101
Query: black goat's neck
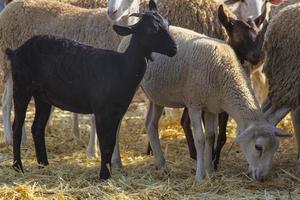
x: 137, y: 56
x: 137, y: 50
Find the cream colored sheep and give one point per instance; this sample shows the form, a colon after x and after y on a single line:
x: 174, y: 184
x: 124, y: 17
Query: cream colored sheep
x: 206, y: 75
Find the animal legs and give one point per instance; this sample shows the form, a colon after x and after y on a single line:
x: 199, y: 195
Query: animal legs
x: 199, y: 139
x: 221, y: 140
x: 75, y: 126
x: 210, y: 130
x: 107, y: 126
x: 153, y: 115
x: 116, y: 157
x: 42, y: 113
x: 91, y: 149
x: 21, y: 101
x: 186, y: 125
x: 7, y: 102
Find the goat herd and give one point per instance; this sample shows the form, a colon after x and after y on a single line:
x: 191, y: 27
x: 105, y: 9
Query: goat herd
x: 175, y: 67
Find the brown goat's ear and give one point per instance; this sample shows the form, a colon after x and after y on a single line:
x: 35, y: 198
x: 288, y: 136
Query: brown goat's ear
x: 260, y: 19
x: 231, y: 2
x: 224, y: 19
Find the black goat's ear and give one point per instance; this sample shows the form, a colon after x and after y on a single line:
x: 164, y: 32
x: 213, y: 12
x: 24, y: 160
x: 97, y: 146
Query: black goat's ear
x: 224, y: 19
x: 122, y: 30
x: 152, y: 5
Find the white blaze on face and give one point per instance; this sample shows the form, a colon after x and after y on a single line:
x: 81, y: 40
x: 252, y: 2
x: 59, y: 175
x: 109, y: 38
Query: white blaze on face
x: 120, y: 8
x: 114, y: 9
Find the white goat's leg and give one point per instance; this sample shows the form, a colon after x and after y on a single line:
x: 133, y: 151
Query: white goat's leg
x: 296, y: 124
x: 75, y: 126
x: 92, y: 146
x: 6, y: 110
x: 199, y: 140
x: 7, y: 102
x: 116, y: 157
x: 210, y: 131
x: 153, y: 115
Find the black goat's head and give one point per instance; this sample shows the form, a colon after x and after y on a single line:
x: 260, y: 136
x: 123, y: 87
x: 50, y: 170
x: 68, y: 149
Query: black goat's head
x: 152, y: 32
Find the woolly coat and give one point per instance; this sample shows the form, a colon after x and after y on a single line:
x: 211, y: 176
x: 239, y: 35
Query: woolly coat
x: 23, y: 19
x: 282, y: 66
x: 205, y: 74
x: 276, y: 8
x: 198, y: 15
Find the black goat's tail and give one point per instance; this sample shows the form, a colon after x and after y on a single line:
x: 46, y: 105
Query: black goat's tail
x: 10, y: 53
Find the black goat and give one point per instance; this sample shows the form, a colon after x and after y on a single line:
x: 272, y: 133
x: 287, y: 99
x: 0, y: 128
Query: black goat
x: 83, y: 79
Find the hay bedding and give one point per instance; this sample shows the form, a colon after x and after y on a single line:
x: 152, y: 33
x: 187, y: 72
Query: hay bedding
x: 71, y: 175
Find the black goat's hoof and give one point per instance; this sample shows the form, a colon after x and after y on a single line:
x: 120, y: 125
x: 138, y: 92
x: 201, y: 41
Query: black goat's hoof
x: 104, y: 176
x: 17, y: 166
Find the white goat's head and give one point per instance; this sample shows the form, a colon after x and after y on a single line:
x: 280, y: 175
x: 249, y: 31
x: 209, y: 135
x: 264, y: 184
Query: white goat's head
x: 249, y: 8
x: 259, y: 143
x: 121, y: 8
x: 244, y: 9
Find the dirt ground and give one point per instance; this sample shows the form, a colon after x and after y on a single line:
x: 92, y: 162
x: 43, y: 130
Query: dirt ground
x: 72, y: 175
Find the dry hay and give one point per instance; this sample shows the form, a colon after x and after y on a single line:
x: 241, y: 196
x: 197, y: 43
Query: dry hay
x: 71, y: 175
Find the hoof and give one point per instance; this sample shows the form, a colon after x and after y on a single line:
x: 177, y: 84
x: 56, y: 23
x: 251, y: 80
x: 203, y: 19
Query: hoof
x: 199, y: 178
x: 17, y: 166
x: 117, y: 164
x: 165, y: 171
x: 104, y: 176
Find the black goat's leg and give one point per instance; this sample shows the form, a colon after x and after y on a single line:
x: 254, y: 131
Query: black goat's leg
x: 186, y: 125
x: 21, y: 101
x: 42, y: 114
x: 107, y: 126
x: 223, y: 119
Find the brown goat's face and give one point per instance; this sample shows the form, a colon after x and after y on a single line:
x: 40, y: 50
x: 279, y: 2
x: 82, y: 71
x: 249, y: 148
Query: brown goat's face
x: 243, y: 36
x: 243, y: 39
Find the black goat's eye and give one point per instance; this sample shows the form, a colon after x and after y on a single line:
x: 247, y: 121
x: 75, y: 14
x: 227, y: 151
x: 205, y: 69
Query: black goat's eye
x: 258, y: 148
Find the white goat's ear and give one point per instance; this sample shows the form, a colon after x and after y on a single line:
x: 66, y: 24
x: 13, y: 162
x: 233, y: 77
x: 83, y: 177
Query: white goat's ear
x: 245, y: 135
x: 280, y: 133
